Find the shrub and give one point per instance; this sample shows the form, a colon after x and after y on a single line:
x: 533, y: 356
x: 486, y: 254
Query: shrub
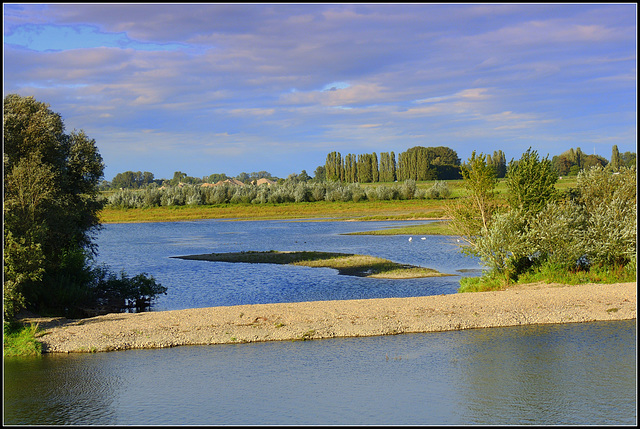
x: 408, y: 189
x: 439, y: 189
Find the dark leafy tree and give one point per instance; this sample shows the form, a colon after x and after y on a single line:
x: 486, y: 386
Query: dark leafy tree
x: 319, y: 175
x: 628, y: 159
x: 51, y: 184
x: 334, y: 169
x: 387, y: 169
x: 50, y: 209
x: 215, y: 178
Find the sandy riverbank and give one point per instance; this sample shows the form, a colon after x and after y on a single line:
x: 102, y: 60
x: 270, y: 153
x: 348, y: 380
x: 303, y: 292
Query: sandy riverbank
x: 531, y: 304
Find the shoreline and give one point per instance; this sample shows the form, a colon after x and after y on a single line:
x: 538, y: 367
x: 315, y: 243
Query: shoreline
x: 520, y: 305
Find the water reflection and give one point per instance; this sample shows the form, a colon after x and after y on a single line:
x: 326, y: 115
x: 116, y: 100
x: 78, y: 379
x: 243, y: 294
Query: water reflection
x: 552, y: 374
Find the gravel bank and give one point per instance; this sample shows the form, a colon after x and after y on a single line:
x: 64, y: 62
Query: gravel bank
x: 531, y: 304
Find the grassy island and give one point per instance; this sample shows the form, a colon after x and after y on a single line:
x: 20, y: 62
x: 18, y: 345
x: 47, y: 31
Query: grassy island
x: 345, y: 263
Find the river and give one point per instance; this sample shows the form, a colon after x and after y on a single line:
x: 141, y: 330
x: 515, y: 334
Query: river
x: 574, y: 374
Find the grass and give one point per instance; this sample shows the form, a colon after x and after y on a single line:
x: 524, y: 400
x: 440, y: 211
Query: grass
x: 367, y: 210
x: 550, y: 274
x: 20, y: 340
x: 362, y: 210
x: 347, y: 264
x: 433, y: 228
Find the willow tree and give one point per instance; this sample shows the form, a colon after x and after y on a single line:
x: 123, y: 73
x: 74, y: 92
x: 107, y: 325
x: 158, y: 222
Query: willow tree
x: 471, y: 216
x: 50, y: 198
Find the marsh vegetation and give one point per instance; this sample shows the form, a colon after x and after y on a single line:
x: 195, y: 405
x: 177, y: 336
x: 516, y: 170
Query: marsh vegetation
x: 345, y: 263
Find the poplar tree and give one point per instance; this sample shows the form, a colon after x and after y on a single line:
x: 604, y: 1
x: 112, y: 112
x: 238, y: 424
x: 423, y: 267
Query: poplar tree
x: 616, y: 160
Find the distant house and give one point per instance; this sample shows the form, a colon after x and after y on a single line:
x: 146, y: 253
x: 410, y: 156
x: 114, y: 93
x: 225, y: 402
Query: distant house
x: 231, y: 181
x: 263, y: 181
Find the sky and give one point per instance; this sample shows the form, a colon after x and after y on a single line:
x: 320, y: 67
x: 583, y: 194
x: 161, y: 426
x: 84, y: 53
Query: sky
x: 231, y: 88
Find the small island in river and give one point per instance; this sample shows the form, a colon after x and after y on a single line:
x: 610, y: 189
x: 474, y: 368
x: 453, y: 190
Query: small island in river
x: 345, y: 263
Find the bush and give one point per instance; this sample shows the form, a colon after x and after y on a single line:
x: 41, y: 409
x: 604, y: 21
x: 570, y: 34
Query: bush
x: 408, y: 189
x: 438, y: 190
x: 111, y: 293
x: 593, y: 229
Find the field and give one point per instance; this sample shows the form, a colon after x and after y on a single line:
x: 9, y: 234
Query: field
x: 363, y: 210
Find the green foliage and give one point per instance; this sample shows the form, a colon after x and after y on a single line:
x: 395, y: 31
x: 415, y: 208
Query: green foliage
x: 113, y: 293
x: 479, y: 179
x: 293, y: 190
x: 438, y: 190
x: 530, y: 182
x: 417, y: 163
x: 51, y: 208
x: 50, y: 202
x: 571, y: 162
x: 589, y: 233
x: 20, y: 340
x: 498, y: 162
x: 132, y: 180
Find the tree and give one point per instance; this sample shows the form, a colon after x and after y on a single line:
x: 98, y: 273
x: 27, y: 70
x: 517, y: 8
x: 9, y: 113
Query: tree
x: 350, y: 168
x: 470, y: 217
x: 387, y: 170
x: 334, y: 169
x: 628, y: 159
x: 499, y: 163
x: 319, y: 174
x: 51, y: 183
x: 531, y: 182
x: 216, y: 177
x: 50, y: 209
x: 616, y: 159
x: 178, y: 177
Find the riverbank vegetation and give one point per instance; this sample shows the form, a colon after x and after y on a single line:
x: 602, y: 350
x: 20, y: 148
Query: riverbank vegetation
x: 587, y: 233
x: 20, y: 339
x: 51, y: 216
x: 345, y: 263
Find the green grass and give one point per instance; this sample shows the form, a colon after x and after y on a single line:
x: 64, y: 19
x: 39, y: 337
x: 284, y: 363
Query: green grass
x: 347, y: 264
x: 368, y: 210
x: 433, y: 228
x: 20, y: 340
x: 605, y: 275
x: 550, y: 274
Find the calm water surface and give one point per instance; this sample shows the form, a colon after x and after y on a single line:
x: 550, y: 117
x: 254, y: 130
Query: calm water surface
x: 551, y: 374
x: 148, y: 247
x: 574, y: 374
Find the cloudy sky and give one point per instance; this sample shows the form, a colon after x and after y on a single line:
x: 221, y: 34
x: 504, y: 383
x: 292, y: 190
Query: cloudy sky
x: 215, y: 88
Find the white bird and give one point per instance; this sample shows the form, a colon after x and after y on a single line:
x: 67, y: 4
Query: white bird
x: 410, y: 238
x: 423, y: 238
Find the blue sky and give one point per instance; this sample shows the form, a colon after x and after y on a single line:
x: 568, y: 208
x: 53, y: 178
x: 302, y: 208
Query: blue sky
x: 231, y: 88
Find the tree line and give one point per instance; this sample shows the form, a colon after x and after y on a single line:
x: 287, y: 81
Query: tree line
x: 417, y: 163
x: 290, y: 190
x: 572, y: 161
x: 138, y: 179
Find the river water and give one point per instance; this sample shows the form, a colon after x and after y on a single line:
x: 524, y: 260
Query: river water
x: 148, y: 247
x: 575, y: 374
